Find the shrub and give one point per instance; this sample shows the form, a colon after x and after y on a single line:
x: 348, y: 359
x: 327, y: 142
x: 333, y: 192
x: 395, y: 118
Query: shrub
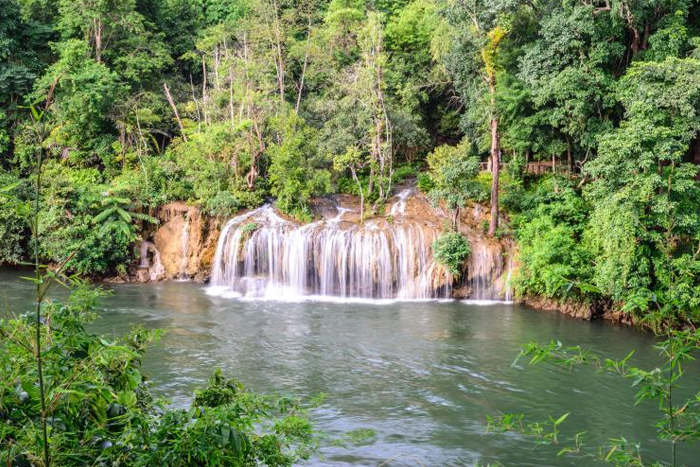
x: 101, y: 410
x: 450, y: 250
x: 12, y: 225
x: 549, y: 229
x: 223, y: 204
x: 403, y: 172
x: 424, y: 182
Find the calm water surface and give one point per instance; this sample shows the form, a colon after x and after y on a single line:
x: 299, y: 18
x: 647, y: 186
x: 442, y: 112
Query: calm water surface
x: 423, y: 376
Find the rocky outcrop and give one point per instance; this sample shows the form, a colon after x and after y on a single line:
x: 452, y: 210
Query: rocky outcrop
x: 263, y: 253
x: 184, y: 243
x: 574, y: 309
x: 491, y: 261
x: 181, y: 246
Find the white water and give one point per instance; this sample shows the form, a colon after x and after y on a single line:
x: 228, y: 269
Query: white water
x: 263, y: 256
x: 399, y: 208
x: 278, y: 259
x: 484, y: 270
x: 184, y: 247
x: 156, y: 270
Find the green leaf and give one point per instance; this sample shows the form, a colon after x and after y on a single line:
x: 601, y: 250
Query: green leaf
x: 124, y: 215
x: 104, y: 215
x: 561, y: 419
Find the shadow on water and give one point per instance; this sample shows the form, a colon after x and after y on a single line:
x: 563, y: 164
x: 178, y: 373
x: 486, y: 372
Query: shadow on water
x: 423, y: 375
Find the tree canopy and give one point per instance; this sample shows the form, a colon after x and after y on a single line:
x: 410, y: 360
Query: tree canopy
x: 225, y: 104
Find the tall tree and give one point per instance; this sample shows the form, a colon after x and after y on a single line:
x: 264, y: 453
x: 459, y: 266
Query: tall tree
x: 480, y: 28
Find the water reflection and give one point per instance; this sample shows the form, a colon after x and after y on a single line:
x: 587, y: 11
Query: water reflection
x: 422, y: 375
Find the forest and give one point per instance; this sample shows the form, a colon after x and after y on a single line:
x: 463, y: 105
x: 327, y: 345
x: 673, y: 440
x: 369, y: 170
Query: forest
x: 226, y: 104
x: 571, y: 126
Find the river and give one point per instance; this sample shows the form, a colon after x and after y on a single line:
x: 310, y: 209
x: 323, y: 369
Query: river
x: 422, y: 375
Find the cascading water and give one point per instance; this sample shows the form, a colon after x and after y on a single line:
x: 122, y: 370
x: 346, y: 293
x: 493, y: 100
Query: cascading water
x: 184, y: 246
x: 484, y: 271
x: 156, y: 270
x: 259, y: 254
x: 507, y: 287
x: 399, y: 207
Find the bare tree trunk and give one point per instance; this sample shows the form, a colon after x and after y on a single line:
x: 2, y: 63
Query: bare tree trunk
x: 230, y: 101
x: 246, y: 60
x: 495, y: 158
x: 253, y: 173
x: 303, y: 68
x: 196, y: 106
x: 177, y: 115
x: 279, y: 65
x: 217, y: 60
x: 204, y: 91
x: 301, y: 82
x: 495, y: 167
x: 97, y: 32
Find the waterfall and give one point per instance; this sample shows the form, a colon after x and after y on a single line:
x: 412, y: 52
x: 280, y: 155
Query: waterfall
x: 156, y: 270
x: 508, y: 288
x: 184, y: 247
x: 260, y: 254
x: 399, y: 208
x: 488, y: 278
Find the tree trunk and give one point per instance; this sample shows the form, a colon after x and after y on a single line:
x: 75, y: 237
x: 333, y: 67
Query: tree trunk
x: 303, y: 68
x: 97, y: 26
x: 177, y: 115
x: 495, y: 167
x: 253, y: 173
x: 362, y: 194
x: 204, y: 91
x: 279, y: 59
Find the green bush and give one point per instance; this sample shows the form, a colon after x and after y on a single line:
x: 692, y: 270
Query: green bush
x: 13, y: 229
x: 424, y: 182
x: 549, y: 227
x: 101, y: 409
x: 297, y: 171
x: 454, y: 174
x: 403, y: 172
x: 223, y: 204
x: 71, y: 198
x: 450, y: 250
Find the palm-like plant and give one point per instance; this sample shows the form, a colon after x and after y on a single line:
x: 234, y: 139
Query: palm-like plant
x: 118, y: 216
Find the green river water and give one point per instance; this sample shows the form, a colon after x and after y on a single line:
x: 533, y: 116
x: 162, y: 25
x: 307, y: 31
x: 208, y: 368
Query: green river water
x: 422, y: 375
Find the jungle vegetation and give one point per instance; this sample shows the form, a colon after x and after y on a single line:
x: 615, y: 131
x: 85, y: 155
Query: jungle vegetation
x: 226, y: 103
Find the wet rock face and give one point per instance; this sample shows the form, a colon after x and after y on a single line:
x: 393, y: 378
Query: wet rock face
x: 181, y: 247
x: 263, y: 254
x: 387, y: 256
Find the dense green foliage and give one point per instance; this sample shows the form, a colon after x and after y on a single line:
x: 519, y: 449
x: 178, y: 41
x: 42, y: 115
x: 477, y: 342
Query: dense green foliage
x: 226, y: 104
x: 550, y: 221
x: 101, y: 409
x: 450, y: 250
x: 452, y: 177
